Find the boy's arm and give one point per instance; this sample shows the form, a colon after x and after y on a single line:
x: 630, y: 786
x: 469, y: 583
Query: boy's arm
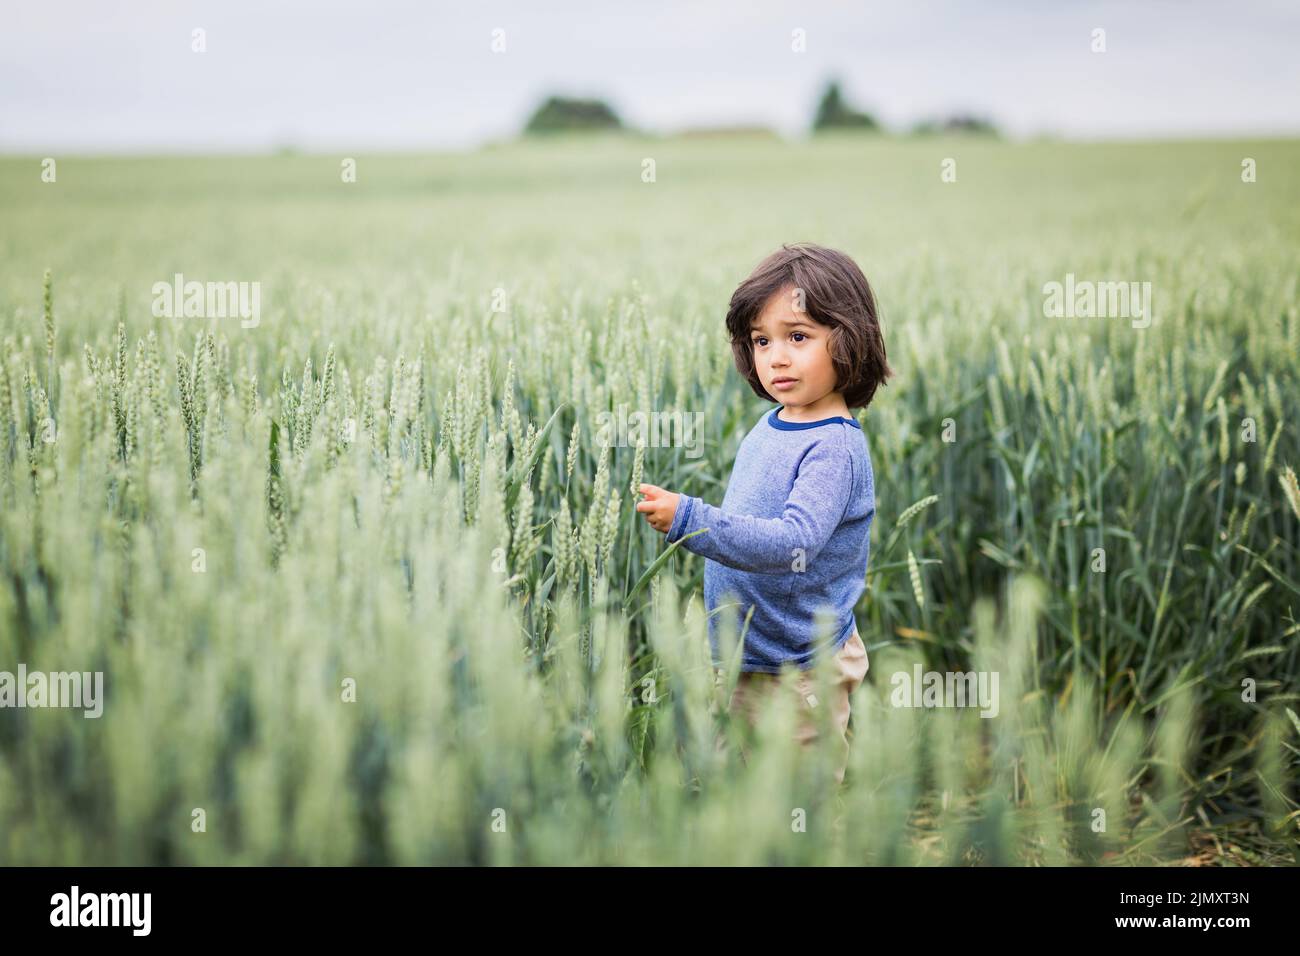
x: 770, y: 545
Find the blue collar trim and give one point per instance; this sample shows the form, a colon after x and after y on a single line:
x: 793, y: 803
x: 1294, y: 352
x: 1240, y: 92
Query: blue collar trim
x: 798, y: 426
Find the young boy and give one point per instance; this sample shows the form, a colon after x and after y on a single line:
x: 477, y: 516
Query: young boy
x: 792, y: 534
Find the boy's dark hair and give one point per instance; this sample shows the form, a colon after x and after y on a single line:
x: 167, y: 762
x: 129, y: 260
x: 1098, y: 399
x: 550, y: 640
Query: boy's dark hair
x: 835, y: 294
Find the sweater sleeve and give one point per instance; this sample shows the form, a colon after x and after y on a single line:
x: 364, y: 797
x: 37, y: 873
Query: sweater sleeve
x: 813, y: 508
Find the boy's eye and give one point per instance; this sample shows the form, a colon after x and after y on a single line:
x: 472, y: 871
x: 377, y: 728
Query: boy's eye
x: 762, y: 339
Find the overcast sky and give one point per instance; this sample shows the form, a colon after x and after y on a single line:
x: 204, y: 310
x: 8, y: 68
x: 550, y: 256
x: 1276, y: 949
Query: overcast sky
x: 120, y: 75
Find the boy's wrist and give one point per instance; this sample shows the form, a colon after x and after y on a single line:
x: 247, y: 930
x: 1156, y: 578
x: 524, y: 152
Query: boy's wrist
x: 681, y: 518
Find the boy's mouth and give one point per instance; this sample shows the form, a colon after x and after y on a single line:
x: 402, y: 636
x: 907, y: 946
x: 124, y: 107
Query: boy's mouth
x: 783, y: 383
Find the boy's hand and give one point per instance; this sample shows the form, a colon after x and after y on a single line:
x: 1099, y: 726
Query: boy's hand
x: 659, y: 506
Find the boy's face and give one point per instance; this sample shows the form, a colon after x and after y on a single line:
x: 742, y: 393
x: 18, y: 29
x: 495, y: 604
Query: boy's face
x: 788, y: 344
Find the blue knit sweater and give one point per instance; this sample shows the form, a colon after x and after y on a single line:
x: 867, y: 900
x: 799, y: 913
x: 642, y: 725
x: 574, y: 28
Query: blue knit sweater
x: 792, y: 536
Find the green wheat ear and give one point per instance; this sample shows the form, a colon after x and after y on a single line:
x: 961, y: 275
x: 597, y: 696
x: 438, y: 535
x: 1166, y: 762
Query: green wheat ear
x: 914, y: 570
x: 907, y: 516
x: 48, y: 308
x: 1291, y: 489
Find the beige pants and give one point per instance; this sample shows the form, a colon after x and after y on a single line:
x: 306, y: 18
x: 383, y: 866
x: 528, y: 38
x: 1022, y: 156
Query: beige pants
x: 851, y: 665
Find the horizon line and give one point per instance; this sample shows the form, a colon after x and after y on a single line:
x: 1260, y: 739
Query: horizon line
x: 691, y: 134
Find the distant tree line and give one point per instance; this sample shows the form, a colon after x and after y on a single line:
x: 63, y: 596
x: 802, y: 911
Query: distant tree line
x: 566, y: 114
x: 833, y: 113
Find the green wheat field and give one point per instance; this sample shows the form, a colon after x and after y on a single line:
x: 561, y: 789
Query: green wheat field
x: 365, y: 587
